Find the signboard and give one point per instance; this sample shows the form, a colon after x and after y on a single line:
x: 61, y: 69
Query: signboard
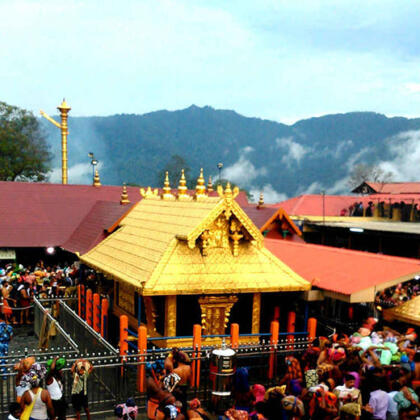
x: 7, y: 254
x: 126, y: 294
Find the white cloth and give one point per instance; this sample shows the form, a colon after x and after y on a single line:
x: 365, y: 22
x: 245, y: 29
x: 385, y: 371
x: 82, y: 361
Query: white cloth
x: 392, y: 405
x: 39, y: 410
x: 55, y: 390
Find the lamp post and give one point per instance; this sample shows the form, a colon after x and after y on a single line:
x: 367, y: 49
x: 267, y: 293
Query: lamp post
x: 219, y: 167
x: 93, y: 162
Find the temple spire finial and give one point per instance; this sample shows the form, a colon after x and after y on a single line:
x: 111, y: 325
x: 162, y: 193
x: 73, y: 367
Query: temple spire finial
x: 261, y: 200
x: 96, y: 179
x: 210, y: 185
x: 167, y: 192
x: 124, y: 196
x: 200, y: 189
x: 182, y: 187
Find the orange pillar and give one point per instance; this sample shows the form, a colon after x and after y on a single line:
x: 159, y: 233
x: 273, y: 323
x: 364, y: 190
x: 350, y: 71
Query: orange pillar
x: 274, y: 339
x: 276, y: 316
x: 234, y: 335
x: 311, y: 329
x: 96, y: 323
x: 291, y: 321
x: 123, y: 338
x: 79, y: 300
x: 104, y: 317
x: 142, y: 350
x: 89, y: 309
x: 196, y: 365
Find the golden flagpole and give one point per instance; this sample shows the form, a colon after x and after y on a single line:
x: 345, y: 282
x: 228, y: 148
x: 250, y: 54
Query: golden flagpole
x: 64, y: 110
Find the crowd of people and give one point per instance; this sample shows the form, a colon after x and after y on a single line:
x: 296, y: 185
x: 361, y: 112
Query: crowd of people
x: 40, y: 389
x: 19, y: 284
x: 399, y: 294
x: 372, y: 374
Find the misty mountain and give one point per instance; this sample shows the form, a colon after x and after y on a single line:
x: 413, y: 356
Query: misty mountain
x: 309, y: 156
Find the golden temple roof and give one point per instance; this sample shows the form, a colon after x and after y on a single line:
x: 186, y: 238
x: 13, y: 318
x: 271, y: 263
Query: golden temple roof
x: 197, y: 246
x: 408, y: 312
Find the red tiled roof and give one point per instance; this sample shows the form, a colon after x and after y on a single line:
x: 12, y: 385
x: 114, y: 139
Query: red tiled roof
x: 334, y: 205
x: 314, y: 205
x: 40, y: 215
x: 260, y: 216
x: 264, y: 216
x: 92, y: 229
x: 43, y: 214
x: 395, y: 187
x: 341, y: 270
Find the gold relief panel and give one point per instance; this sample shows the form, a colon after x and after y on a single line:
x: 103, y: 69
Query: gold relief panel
x: 215, y: 312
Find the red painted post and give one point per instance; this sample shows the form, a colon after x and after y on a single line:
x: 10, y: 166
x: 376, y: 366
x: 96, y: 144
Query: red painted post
x: 291, y: 321
x: 311, y: 329
x: 83, y: 295
x: 142, y: 349
x: 234, y: 335
x: 274, y: 339
x: 79, y: 300
x: 96, y: 323
x: 196, y: 364
x: 104, y: 317
x: 123, y: 338
x: 89, y: 309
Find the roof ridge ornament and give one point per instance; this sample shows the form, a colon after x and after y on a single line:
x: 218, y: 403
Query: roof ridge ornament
x: 167, y: 192
x: 210, y: 185
x: 149, y: 193
x: 96, y: 179
x: 200, y: 189
x: 261, y: 201
x: 182, y: 187
x: 124, y: 196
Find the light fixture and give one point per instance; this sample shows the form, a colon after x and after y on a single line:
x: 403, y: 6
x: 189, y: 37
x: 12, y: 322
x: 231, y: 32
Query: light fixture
x: 50, y: 250
x: 356, y: 229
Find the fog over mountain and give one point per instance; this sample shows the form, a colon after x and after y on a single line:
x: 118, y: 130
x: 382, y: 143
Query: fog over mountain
x: 282, y: 160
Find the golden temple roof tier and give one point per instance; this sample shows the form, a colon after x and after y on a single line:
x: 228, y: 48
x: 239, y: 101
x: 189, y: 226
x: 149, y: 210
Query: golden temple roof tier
x: 408, y: 312
x: 191, y: 247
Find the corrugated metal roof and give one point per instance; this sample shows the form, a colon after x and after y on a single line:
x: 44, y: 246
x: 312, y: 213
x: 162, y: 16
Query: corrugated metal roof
x: 342, y: 270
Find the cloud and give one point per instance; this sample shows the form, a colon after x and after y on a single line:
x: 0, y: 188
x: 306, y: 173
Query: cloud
x: 412, y: 87
x: 405, y: 149
x: 295, y: 151
x: 270, y: 194
x: 340, y: 148
x: 81, y: 173
x: 243, y: 172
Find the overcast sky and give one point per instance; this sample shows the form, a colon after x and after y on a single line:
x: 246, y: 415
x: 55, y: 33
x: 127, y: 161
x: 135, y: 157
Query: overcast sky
x: 281, y: 60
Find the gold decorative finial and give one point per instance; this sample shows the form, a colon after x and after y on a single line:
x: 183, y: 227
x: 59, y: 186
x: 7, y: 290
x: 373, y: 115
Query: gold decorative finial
x: 96, y: 179
x: 228, y: 190
x: 261, y: 200
x: 210, y: 185
x: 200, y: 189
x: 124, y: 196
x: 167, y: 192
x: 182, y: 187
x: 149, y: 193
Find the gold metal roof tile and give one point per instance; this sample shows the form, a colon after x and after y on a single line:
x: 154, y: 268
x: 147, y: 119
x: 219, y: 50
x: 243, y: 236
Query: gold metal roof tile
x: 155, y: 246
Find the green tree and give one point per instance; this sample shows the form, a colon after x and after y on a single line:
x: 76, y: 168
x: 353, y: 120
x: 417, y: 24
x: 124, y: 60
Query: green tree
x: 24, y: 154
x: 174, y: 166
